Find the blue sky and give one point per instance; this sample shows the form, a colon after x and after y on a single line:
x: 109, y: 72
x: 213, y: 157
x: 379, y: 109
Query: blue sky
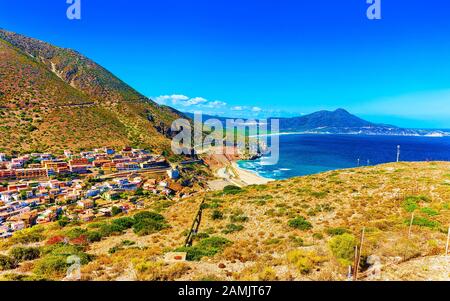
x: 258, y: 58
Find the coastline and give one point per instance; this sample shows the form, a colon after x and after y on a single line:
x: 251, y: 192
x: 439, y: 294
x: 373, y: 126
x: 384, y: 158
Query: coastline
x: 249, y: 177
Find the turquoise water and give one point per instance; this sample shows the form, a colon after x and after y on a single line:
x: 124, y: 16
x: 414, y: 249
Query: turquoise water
x: 310, y: 154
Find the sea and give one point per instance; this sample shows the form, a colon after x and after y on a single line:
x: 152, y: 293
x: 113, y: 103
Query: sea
x: 302, y: 154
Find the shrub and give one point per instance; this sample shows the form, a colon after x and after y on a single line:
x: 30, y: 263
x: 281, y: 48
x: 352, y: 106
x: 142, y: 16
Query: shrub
x: 93, y: 236
x: 75, y: 233
x: 238, y: 218
x: 424, y: 222
x: 55, y: 262
x: 115, y: 210
x: 24, y: 253
x: 29, y: 235
x: 304, y: 261
x: 63, y: 221
x: 205, y: 248
x: 343, y: 247
x: 300, y: 223
x: 7, y: 263
x: 337, y: 231
x: 148, y: 222
x: 231, y: 228
x: 50, y: 265
x: 429, y: 211
x: 148, y: 215
x: 216, y: 214
x: 106, y: 230
x: 124, y: 222
x: 231, y: 189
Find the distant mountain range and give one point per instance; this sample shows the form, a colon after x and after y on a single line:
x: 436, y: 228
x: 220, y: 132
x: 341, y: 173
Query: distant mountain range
x: 341, y: 121
x: 53, y: 98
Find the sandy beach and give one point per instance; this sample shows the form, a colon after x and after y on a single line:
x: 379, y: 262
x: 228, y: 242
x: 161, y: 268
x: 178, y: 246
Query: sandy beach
x: 248, y: 177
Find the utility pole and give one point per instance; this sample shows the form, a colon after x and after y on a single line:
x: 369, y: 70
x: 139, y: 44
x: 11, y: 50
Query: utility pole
x: 398, y: 153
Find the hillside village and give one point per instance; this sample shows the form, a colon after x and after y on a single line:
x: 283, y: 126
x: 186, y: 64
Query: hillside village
x: 42, y: 188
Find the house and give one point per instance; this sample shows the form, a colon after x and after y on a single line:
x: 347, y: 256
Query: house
x: 17, y: 226
x: 7, y: 174
x: 3, y: 157
x: 79, y: 161
x: 86, y: 204
x: 79, y: 169
x: 92, y: 192
x: 87, y: 217
x: 31, y: 173
x: 149, y: 185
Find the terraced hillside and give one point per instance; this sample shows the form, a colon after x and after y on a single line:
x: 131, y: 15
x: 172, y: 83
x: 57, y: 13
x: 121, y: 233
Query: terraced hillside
x: 299, y: 229
x: 53, y: 98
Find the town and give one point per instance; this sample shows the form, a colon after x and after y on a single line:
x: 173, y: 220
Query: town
x: 40, y: 188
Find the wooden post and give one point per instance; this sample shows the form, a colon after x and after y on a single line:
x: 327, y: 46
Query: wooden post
x: 448, y: 239
x: 410, y: 225
x: 355, y: 262
x: 360, y: 249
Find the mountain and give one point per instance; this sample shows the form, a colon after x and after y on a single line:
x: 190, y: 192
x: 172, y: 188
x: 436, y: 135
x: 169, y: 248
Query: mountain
x: 339, y: 121
x: 53, y: 98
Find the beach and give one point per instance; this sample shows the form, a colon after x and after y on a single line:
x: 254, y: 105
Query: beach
x: 248, y: 177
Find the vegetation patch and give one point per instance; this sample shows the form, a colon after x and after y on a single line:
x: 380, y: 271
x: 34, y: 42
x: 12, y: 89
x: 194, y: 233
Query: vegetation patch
x: 300, y: 223
x: 205, y: 248
x: 343, y: 248
x: 24, y: 253
x: 304, y: 261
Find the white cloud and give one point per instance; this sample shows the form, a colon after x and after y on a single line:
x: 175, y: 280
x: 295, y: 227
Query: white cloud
x: 237, y: 108
x: 216, y: 104
x: 194, y: 101
x: 256, y: 109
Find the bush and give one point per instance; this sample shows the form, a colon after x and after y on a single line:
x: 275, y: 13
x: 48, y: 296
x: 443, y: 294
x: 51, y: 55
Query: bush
x: 75, y: 233
x: 50, y: 265
x: 148, y: 226
x: 424, y: 222
x: 205, y: 248
x: 343, y: 247
x: 93, y: 236
x: 336, y: 231
x: 148, y: 215
x: 124, y: 222
x: 63, y: 221
x: 54, y: 263
x: 115, y: 210
x: 106, y: 230
x: 304, y: 261
x: 24, y: 254
x: 235, y: 218
x: 231, y: 189
x: 216, y: 214
x: 29, y: 235
x: 300, y: 223
x: 7, y: 263
x: 148, y: 222
x: 231, y: 228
